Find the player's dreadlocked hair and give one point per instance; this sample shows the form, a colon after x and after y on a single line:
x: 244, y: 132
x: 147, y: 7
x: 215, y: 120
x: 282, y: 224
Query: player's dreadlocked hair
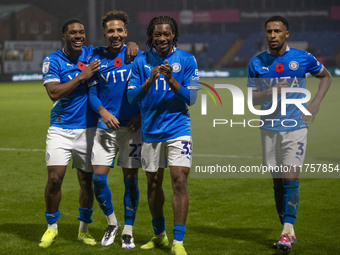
x: 115, y: 15
x: 278, y: 18
x: 161, y: 20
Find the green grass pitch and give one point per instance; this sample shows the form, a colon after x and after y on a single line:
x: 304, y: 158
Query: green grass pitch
x: 227, y: 214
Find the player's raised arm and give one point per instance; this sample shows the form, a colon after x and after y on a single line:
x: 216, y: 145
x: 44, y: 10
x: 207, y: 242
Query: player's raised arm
x: 57, y: 90
x: 155, y: 73
x: 325, y: 82
x: 183, y: 93
x: 136, y: 93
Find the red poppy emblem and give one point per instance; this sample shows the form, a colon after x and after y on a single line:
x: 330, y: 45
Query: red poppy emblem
x: 117, y: 62
x: 279, y: 68
x: 81, y: 65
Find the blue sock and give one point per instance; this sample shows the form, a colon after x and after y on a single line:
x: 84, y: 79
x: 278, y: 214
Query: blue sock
x: 158, y: 225
x: 279, y: 194
x: 102, y: 193
x: 52, y: 217
x: 85, y: 214
x: 131, y: 200
x: 291, y: 201
x: 179, y: 232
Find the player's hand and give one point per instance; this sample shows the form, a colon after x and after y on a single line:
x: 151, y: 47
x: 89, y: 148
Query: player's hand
x: 313, y: 109
x: 268, y: 93
x: 131, y: 51
x: 280, y: 85
x: 89, y: 70
x: 109, y: 119
x: 135, y: 123
x: 155, y: 73
x: 166, y: 70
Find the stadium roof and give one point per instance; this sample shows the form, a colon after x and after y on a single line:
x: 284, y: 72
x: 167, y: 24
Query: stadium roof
x: 8, y: 9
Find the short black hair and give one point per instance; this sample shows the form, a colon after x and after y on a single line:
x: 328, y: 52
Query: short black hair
x: 69, y: 22
x: 161, y: 20
x: 278, y: 18
x: 115, y: 15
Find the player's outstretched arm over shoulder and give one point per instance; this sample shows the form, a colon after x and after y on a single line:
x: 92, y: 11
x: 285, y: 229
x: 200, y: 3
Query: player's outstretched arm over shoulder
x: 325, y: 82
x: 259, y: 97
x: 56, y: 90
x: 131, y: 51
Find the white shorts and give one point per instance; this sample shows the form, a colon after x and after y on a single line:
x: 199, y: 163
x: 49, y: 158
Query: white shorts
x: 62, y: 143
x: 176, y: 151
x: 284, y: 148
x: 107, y: 143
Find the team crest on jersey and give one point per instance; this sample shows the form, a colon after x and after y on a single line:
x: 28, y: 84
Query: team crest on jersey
x: 46, y: 67
x: 176, y: 67
x: 293, y: 65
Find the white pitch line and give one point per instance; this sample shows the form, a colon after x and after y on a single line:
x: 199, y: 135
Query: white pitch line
x: 18, y: 149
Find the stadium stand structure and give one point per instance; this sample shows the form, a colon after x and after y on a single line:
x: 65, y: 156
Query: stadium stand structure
x: 215, y: 50
x: 216, y: 46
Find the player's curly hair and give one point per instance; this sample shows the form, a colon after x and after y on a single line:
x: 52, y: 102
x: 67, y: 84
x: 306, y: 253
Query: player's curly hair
x: 69, y: 22
x: 278, y: 18
x: 161, y: 20
x: 115, y: 15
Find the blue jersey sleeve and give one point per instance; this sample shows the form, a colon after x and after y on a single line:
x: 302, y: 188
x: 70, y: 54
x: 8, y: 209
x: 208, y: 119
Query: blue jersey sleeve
x: 93, y: 84
x: 251, y: 82
x: 50, y: 70
x: 184, y: 94
x: 188, y: 90
x: 94, y: 100
x: 314, y: 67
x: 135, y: 92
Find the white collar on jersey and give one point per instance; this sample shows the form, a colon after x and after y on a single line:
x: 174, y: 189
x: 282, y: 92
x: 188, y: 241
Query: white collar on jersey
x: 173, y: 49
x: 105, y: 49
x: 63, y: 50
x: 287, y: 49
